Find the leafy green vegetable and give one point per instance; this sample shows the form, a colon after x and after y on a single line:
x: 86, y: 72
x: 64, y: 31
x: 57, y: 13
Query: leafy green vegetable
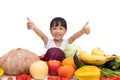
x: 54, y: 53
x: 105, y: 72
x: 71, y: 49
x: 118, y: 61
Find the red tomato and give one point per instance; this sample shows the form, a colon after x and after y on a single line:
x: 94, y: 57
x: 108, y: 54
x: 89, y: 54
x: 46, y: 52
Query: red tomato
x: 29, y: 77
x: 10, y: 78
x: 24, y: 76
x: 63, y: 78
x: 56, y: 78
x: 52, y: 78
x: 118, y: 78
x: 114, y: 78
x: 18, y: 77
x: 102, y: 78
x: 108, y: 79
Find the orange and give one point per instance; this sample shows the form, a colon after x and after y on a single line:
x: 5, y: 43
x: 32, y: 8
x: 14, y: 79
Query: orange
x: 66, y: 71
x: 69, y: 61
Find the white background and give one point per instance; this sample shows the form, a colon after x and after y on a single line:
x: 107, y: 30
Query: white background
x: 103, y: 15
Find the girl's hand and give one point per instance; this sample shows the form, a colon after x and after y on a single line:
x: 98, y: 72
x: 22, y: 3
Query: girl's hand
x: 86, y: 28
x: 30, y: 24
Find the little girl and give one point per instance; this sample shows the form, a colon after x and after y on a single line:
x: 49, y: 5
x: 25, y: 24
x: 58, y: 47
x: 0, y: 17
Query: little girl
x: 58, y: 28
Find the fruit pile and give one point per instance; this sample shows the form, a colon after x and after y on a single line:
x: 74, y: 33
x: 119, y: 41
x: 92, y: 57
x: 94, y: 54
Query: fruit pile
x: 98, y: 65
x: 55, y: 65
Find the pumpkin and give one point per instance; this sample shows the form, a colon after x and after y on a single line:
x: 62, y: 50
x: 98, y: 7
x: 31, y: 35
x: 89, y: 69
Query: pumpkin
x: 17, y: 61
x: 39, y: 70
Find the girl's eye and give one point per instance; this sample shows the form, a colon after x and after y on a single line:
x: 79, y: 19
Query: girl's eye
x: 54, y: 28
x: 61, y: 28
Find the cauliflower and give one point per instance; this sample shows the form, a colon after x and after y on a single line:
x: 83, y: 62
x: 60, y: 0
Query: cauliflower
x: 71, y: 49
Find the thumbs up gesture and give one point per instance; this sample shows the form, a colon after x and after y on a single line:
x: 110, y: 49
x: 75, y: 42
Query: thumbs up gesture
x: 86, y: 29
x: 30, y: 24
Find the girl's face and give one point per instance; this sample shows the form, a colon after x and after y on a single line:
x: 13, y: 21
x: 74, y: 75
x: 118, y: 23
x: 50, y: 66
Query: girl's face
x: 58, y: 32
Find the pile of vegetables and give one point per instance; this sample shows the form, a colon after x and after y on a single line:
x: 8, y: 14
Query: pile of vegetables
x: 109, y: 68
x: 23, y: 63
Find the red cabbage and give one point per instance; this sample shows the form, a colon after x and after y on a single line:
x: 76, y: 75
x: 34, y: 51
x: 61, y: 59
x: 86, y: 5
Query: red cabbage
x: 54, y: 54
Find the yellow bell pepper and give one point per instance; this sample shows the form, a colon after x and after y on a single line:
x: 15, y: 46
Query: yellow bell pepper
x: 1, y: 72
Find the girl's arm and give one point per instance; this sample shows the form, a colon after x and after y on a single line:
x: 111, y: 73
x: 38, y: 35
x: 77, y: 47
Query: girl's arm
x: 78, y: 34
x: 31, y: 25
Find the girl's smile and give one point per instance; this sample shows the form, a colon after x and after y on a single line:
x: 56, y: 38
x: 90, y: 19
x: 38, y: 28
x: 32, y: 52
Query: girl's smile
x: 58, y: 32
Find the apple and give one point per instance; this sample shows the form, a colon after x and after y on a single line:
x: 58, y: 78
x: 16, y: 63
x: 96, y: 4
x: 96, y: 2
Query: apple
x: 53, y: 66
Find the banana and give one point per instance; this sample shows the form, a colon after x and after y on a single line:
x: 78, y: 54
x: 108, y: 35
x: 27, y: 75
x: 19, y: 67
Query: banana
x: 97, y: 51
x: 94, y: 59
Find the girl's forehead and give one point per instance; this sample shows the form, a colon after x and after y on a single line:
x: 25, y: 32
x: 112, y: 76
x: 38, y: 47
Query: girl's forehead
x: 59, y: 26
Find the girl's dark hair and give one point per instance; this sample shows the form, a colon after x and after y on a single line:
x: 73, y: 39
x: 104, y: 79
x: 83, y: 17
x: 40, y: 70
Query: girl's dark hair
x: 58, y: 21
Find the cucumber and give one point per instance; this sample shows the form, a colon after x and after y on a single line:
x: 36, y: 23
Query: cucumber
x: 77, y: 62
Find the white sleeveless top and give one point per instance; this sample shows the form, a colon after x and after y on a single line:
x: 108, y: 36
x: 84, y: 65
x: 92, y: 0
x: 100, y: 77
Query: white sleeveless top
x: 51, y: 44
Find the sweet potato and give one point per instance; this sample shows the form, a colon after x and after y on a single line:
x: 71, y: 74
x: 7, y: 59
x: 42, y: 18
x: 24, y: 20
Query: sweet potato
x: 17, y: 61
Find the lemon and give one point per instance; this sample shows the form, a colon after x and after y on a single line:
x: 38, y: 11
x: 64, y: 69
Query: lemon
x: 1, y: 72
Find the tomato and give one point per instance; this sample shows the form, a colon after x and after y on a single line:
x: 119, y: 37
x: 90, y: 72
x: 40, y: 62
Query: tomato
x: 109, y: 79
x: 24, y: 76
x: 56, y: 78
x: 118, y: 78
x: 18, y: 77
x: 10, y: 78
x: 102, y: 78
x: 63, y: 78
x: 52, y: 77
x: 114, y: 78
x: 29, y: 77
